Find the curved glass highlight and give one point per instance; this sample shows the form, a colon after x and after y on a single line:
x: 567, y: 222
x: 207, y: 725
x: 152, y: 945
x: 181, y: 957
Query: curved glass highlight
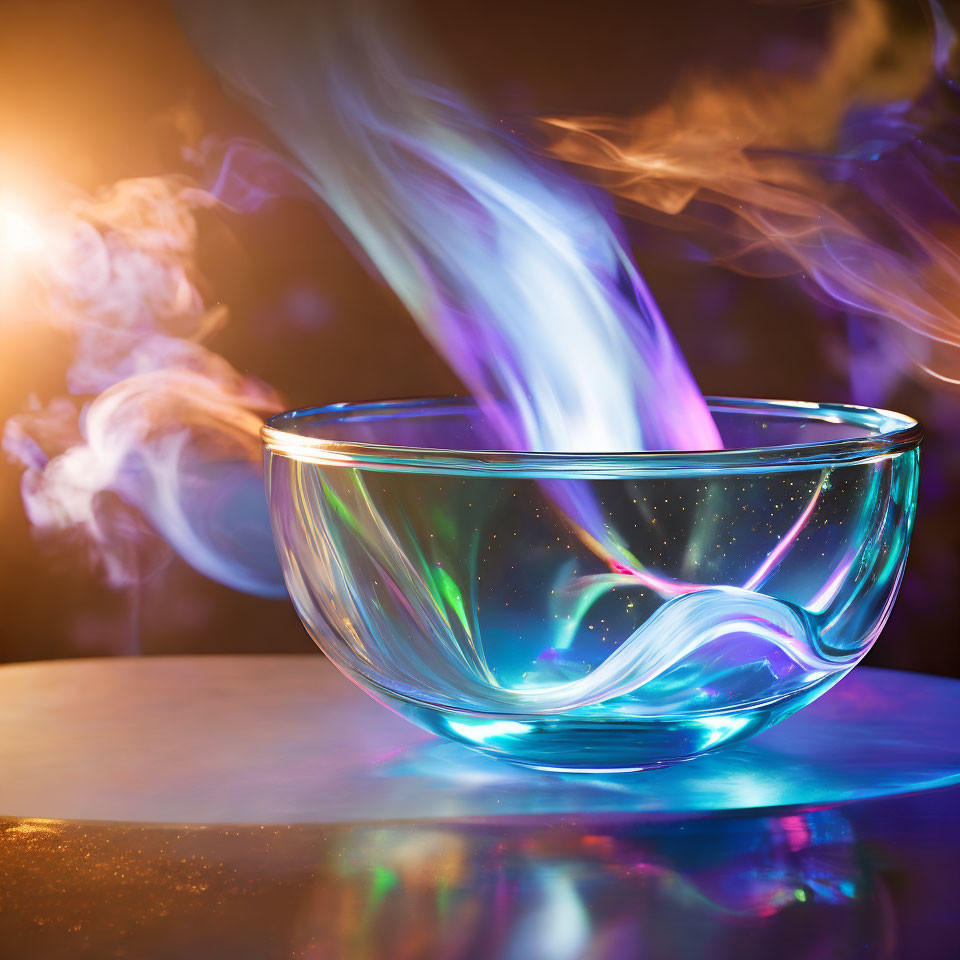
x: 592, y: 611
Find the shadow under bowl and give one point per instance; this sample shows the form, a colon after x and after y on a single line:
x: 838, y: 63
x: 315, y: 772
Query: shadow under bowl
x: 592, y: 611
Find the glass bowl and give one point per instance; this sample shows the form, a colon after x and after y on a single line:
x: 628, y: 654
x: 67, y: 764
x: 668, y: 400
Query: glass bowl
x: 592, y: 611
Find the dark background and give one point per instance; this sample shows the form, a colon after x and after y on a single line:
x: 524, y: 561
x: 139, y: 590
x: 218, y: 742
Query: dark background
x: 92, y: 91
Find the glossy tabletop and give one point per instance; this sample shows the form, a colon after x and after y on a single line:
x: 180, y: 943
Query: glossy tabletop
x: 264, y: 807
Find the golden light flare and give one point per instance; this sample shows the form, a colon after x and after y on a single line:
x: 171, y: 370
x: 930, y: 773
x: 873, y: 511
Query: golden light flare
x: 25, y: 237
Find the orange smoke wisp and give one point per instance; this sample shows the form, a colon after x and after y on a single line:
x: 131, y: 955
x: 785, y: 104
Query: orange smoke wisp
x: 743, y: 167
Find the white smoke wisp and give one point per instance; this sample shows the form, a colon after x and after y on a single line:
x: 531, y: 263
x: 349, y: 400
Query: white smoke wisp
x: 163, y: 437
x: 512, y: 271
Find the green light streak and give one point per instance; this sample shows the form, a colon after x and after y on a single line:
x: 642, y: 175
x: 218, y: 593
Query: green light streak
x: 384, y: 880
x: 452, y: 595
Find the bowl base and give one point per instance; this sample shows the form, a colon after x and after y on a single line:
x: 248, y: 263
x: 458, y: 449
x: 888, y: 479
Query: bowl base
x: 592, y: 745
x: 543, y: 768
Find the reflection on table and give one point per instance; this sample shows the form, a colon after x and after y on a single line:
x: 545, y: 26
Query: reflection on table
x: 875, y: 879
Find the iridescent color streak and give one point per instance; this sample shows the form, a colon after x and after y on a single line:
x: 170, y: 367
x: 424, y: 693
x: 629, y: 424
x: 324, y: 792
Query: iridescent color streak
x: 776, y: 554
x: 825, y: 596
x: 667, y: 587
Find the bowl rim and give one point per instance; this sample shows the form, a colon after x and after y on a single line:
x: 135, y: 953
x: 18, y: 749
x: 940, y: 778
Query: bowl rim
x: 891, y: 434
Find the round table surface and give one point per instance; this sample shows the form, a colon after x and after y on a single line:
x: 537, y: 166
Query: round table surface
x: 287, y: 739
x: 264, y: 807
